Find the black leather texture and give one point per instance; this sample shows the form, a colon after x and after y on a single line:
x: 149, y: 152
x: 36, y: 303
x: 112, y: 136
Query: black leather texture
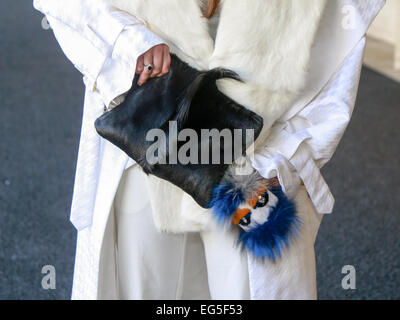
x: 192, y: 99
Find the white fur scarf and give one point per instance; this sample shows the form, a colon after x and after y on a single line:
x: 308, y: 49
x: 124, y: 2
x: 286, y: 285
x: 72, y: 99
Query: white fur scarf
x: 266, y: 42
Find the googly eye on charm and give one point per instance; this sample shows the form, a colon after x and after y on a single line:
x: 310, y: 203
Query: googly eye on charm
x: 246, y: 220
x: 262, y: 200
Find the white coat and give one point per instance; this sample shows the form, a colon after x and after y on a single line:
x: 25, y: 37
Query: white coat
x: 103, y: 43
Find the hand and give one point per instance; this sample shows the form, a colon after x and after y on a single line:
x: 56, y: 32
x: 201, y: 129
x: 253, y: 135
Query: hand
x: 159, y: 57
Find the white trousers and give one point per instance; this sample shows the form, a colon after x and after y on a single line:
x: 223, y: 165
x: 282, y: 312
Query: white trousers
x: 204, y: 265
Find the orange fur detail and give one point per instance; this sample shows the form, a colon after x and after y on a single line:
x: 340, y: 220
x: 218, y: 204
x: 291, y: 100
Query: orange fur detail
x: 253, y: 201
x: 239, y: 214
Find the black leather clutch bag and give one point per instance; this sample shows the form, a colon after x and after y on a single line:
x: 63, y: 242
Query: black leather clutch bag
x: 184, y: 99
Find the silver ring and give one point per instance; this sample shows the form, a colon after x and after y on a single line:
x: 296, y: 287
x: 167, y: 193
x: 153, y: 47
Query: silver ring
x: 149, y: 67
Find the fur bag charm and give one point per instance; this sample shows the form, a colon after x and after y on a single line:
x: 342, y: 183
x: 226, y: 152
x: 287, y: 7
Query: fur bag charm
x: 258, y: 206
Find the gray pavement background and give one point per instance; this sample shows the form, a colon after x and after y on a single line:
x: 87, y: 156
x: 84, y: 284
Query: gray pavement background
x: 41, y: 98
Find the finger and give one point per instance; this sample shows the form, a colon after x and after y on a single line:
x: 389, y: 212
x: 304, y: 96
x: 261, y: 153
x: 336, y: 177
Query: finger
x: 158, y: 57
x: 139, y: 65
x: 147, y: 59
x: 166, y: 62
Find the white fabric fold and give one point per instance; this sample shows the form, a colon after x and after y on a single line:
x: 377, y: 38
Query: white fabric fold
x: 297, y: 148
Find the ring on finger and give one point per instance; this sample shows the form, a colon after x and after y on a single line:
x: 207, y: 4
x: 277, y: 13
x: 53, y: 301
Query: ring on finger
x: 149, y: 67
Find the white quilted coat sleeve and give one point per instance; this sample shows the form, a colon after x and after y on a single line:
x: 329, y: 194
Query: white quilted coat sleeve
x: 102, y: 42
x: 299, y: 147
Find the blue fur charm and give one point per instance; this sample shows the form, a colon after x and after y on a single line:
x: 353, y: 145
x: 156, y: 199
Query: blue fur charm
x: 225, y: 200
x: 268, y: 223
x: 269, y: 239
